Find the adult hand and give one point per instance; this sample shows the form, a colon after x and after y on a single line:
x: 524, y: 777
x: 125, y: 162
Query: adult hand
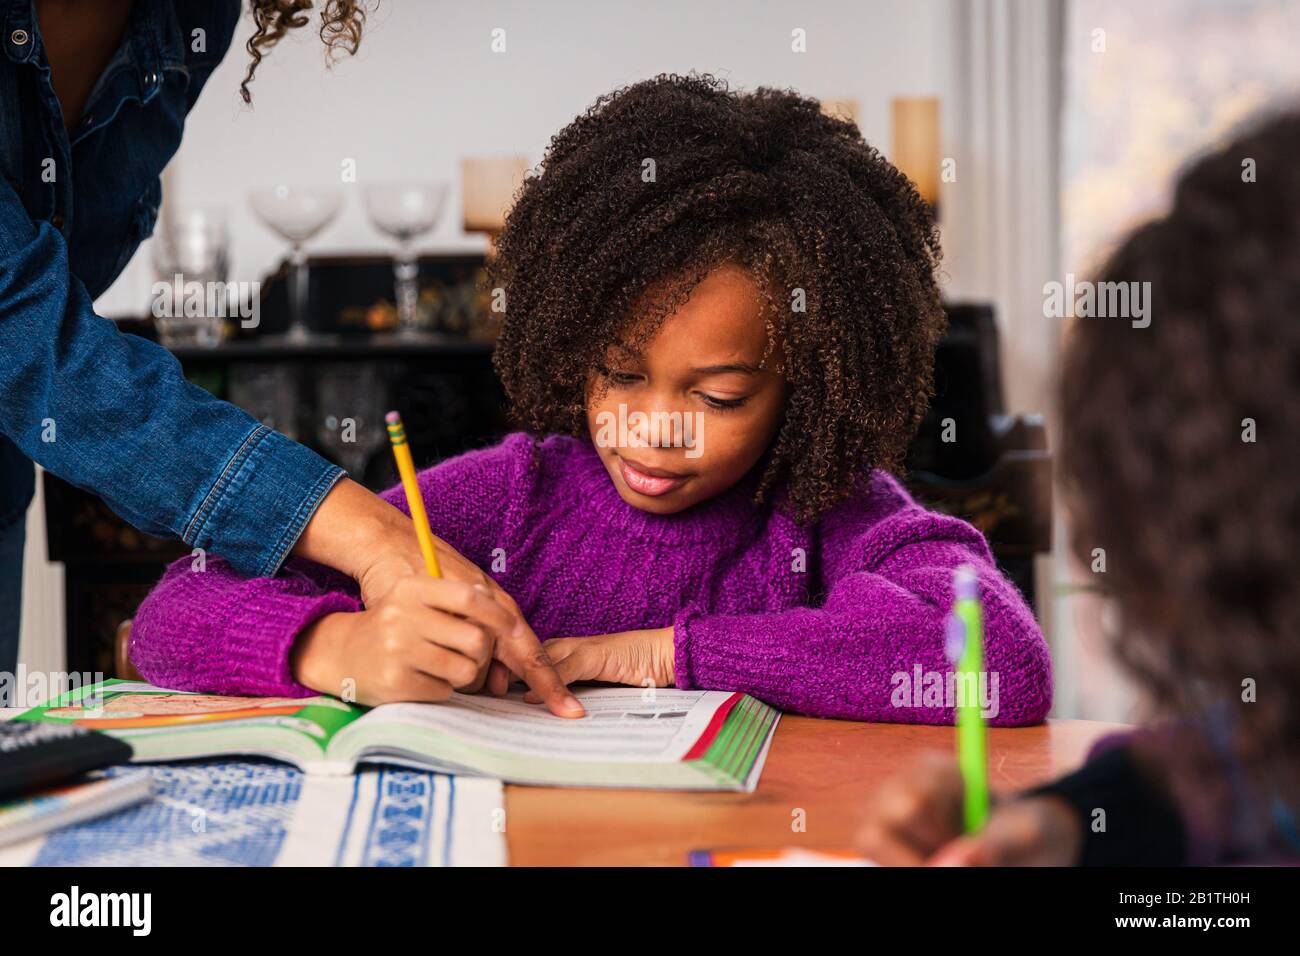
x: 368, y: 539
x: 424, y: 638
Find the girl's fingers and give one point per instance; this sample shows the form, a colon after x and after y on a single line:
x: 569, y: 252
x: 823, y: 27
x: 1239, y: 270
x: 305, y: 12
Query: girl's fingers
x: 1014, y: 836
x: 523, y: 654
x: 455, y: 669
x: 453, y: 563
x: 414, y: 686
x: 460, y: 635
x: 963, y: 851
x: 516, y: 645
x: 914, y: 813
x: 558, y: 648
x: 573, y: 659
x: 881, y: 844
x: 477, y: 684
x: 493, y: 608
x: 933, y: 814
x: 499, y: 679
x: 474, y: 602
x: 455, y: 566
x: 580, y: 661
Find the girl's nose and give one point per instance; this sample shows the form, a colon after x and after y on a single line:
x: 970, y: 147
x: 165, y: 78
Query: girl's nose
x: 656, y: 424
x: 639, y: 426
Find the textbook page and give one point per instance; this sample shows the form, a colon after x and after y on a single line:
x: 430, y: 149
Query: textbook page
x: 623, y: 724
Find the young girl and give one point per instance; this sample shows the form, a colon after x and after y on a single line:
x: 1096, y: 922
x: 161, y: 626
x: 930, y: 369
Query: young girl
x: 1181, y: 450
x: 745, y: 272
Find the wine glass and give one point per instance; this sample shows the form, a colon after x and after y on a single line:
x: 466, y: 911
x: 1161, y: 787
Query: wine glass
x: 297, y: 213
x: 405, y: 211
x: 190, y: 246
x: 269, y: 392
x: 350, y: 403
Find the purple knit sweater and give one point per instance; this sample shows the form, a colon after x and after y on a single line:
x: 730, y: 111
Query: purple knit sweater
x: 833, y: 620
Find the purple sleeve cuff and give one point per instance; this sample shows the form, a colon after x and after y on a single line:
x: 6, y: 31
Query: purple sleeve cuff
x: 682, y: 647
x: 211, y: 632
x: 260, y: 666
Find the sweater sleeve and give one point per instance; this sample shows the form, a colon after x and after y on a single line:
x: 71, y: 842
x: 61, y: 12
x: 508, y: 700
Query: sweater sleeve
x: 207, y: 628
x: 1142, y: 825
x: 468, y: 498
x: 874, y: 648
x: 204, y: 627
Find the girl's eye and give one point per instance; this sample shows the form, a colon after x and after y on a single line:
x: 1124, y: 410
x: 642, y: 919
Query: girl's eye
x: 618, y: 378
x: 722, y: 404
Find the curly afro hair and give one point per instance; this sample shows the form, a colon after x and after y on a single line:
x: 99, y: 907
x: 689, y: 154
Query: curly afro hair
x: 601, y: 244
x: 1200, y: 524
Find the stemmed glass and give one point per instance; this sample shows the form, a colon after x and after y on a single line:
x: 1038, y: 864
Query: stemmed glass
x: 350, y: 403
x: 190, y: 246
x: 297, y: 213
x: 406, y: 211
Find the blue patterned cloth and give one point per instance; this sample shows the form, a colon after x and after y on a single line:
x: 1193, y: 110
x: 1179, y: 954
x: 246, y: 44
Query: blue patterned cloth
x: 262, y: 813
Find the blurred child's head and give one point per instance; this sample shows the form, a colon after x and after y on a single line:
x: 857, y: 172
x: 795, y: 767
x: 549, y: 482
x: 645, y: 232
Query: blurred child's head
x: 1181, y: 449
x: 737, y: 271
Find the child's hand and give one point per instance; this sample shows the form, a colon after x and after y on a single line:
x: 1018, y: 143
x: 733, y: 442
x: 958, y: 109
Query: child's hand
x: 638, y: 658
x: 365, y: 537
x: 422, y: 639
x: 915, y: 818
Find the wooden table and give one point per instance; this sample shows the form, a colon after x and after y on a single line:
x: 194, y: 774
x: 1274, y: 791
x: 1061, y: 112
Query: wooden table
x: 823, y: 767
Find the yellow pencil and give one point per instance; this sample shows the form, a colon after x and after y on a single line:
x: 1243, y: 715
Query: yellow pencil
x: 406, y: 468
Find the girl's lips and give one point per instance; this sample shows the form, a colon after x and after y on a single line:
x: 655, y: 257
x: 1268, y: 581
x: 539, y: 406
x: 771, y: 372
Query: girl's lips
x: 652, y: 485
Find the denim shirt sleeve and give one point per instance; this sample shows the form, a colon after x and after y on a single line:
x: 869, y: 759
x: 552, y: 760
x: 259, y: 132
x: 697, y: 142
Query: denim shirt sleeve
x: 112, y: 413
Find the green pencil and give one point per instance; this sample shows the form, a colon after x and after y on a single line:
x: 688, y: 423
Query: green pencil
x: 966, y: 646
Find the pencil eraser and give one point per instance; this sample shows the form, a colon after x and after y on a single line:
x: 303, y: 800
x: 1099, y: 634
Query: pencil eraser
x: 954, y: 640
x: 392, y: 418
x: 965, y: 582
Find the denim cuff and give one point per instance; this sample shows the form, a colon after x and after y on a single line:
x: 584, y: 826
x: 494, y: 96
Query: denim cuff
x: 261, y: 502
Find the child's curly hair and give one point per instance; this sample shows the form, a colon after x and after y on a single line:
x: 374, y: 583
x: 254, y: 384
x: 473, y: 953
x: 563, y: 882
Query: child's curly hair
x: 638, y: 199
x: 1200, y: 523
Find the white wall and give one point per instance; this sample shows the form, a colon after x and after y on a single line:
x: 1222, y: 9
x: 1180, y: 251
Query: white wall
x: 425, y: 90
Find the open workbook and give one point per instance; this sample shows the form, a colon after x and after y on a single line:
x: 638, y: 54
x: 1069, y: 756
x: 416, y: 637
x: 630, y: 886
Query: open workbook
x: 631, y: 737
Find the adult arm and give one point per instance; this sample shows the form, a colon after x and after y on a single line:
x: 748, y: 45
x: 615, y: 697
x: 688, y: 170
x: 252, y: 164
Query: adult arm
x: 113, y: 414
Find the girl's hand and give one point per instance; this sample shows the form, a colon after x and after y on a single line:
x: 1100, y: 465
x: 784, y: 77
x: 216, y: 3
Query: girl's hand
x: 915, y: 818
x: 362, y: 535
x: 423, y: 639
x: 638, y: 658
